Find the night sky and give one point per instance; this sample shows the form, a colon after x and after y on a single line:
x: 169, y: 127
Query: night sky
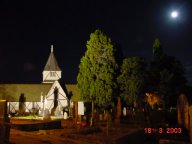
x: 28, y: 28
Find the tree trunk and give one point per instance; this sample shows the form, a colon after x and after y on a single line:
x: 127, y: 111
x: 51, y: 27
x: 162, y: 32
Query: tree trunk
x: 92, y: 113
x: 118, y: 113
x: 75, y: 110
x: 190, y: 124
x: 92, y: 107
x: 108, y: 118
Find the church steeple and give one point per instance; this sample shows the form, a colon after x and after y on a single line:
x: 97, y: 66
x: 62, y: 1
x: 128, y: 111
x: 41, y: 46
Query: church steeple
x: 51, y: 72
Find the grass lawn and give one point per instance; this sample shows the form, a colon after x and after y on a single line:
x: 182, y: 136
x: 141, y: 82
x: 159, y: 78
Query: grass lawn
x: 35, y: 117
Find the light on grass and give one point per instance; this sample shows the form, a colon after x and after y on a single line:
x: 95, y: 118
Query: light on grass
x: 34, y: 117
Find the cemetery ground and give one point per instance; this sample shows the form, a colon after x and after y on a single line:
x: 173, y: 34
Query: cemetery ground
x: 84, y: 135
x: 131, y: 130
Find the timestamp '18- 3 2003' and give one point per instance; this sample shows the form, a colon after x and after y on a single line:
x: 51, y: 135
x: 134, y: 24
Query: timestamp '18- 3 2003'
x: 168, y: 130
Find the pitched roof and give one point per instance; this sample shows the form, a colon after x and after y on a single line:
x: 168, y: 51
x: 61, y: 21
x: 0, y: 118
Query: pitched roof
x: 32, y: 92
x: 52, y: 64
x: 74, y: 89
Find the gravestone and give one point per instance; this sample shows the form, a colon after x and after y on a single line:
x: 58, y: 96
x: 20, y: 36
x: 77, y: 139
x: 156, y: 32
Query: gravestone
x: 183, y: 111
x: 58, y: 112
x: 3, y: 110
x: 40, y: 112
x: 190, y: 122
x: 22, y: 100
x: 4, y: 123
x: 46, y: 114
x: 65, y: 115
x: 124, y: 111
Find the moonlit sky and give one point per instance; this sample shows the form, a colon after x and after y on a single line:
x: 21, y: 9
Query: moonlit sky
x: 28, y: 28
x: 174, y: 14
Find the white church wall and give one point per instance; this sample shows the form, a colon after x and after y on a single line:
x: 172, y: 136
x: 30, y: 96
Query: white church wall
x: 81, y: 108
x: 37, y: 105
x: 29, y: 106
x: 13, y: 107
x: 49, y: 104
x: 62, y: 98
x: 63, y: 103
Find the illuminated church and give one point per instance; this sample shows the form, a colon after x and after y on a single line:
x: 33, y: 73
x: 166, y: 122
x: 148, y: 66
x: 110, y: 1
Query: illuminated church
x: 49, y: 94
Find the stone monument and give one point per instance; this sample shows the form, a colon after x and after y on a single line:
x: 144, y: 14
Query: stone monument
x: 183, y: 111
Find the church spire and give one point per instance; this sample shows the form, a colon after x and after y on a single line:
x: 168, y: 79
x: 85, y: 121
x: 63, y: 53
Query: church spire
x: 52, y: 62
x: 52, y: 70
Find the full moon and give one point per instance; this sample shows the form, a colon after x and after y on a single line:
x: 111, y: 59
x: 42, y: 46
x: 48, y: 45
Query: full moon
x: 174, y: 14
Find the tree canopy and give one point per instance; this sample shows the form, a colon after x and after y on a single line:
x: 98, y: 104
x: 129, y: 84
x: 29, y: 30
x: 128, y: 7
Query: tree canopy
x: 166, y: 75
x: 96, y: 77
x: 99, y: 74
x: 132, y: 78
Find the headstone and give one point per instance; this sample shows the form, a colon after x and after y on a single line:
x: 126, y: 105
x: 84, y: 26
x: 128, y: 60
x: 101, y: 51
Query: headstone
x: 34, y: 111
x: 4, y: 123
x: 46, y: 114
x: 183, y: 111
x: 40, y: 112
x: 3, y: 110
x: 53, y: 111
x: 190, y: 122
x: 66, y: 109
x: 100, y: 117
x: 65, y: 115
x: 124, y: 111
x: 58, y: 112
x: 22, y: 100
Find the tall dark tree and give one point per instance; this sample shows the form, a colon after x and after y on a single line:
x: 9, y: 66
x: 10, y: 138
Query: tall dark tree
x: 119, y: 59
x: 174, y: 78
x: 157, y: 64
x: 96, y: 77
x: 132, y: 79
x: 158, y: 53
x: 166, y: 75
